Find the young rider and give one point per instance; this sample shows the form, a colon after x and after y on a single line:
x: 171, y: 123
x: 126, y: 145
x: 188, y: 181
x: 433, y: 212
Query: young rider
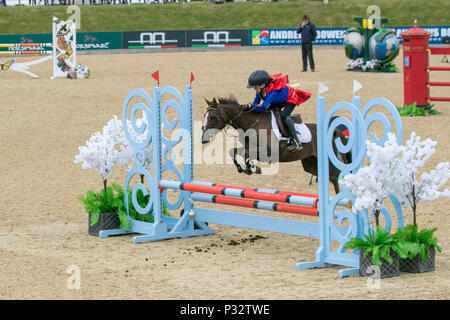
x: 275, y: 92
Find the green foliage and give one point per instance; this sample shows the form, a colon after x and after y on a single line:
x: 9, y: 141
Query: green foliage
x: 413, y: 110
x: 380, y: 243
x: 102, y: 201
x: 387, y: 66
x: 112, y: 200
x: 230, y: 15
x: 142, y: 201
x: 418, y: 242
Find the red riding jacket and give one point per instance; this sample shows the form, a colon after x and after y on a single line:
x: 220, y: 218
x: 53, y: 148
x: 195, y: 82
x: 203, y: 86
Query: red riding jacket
x: 278, y: 92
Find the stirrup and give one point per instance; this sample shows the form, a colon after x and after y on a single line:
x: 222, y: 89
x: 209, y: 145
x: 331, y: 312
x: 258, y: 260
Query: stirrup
x: 294, y: 145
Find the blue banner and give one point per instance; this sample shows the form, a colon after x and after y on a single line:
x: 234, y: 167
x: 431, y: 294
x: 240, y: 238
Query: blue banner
x: 438, y: 33
x: 289, y: 37
x: 330, y: 36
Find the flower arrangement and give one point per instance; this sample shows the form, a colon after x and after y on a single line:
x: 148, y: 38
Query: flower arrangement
x: 104, y: 149
x: 370, y: 66
x: 82, y: 71
x: 414, y: 190
x: 102, y: 152
x: 79, y: 72
x: 379, y: 244
x: 393, y: 170
x: 373, y: 183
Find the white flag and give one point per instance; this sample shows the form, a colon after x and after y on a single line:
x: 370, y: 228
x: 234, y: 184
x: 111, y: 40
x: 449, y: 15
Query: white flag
x: 356, y: 86
x: 322, y: 88
x: 55, y: 19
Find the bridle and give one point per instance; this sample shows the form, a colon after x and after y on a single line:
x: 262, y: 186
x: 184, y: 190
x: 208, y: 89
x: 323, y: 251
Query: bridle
x: 218, y: 116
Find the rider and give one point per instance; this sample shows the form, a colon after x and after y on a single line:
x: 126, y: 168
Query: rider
x: 275, y: 92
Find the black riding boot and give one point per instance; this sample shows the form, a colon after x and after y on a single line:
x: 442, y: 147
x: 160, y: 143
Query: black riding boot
x: 294, y: 143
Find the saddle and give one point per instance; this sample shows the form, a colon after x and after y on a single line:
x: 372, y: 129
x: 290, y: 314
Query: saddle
x: 284, y: 132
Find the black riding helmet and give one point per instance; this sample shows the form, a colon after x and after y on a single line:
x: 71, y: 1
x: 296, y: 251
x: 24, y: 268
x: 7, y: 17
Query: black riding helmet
x: 257, y: 78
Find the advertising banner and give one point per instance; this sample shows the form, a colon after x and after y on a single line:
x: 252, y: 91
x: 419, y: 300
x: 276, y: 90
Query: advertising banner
x: 26, y: 38
x: 85, y: 40
x: 289, y: 37
x: 209, y: 38
x: 217, y: 38
x: 331, y: 36
x: 439, y: 34
x: 153, y: 39
x: 99, y: 40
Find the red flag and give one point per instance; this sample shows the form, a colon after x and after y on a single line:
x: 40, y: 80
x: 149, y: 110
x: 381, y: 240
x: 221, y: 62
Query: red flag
x: 155, y: 75
x: 192, y: 78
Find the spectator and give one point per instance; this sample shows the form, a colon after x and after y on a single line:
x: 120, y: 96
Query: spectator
x: 308, y: 34
x: 4, y: 2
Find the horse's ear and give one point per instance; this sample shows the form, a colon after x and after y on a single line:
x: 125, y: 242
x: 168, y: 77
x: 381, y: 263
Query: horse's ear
x: 208, y: 102
x: 214, y: 101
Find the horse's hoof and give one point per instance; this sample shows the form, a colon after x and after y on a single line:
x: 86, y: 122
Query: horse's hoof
x: 239, y: 168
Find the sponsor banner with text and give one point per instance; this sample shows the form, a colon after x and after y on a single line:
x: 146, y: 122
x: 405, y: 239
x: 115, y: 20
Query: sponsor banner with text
x: 153, y: 39
x: 26, y: 38
x: 85, y: 40
x: 439, y: 34
x: 217, y: 38
x: 99, y: 40
x: 290, y: 37
x: 331, y: 36
x: 209, y: 38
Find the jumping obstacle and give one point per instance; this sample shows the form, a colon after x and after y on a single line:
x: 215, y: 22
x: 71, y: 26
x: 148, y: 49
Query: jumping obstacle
x: 330, y: 229
x: 416, y: 73
x: 438, y: 51
x: 62, y: 50
x: 21, y: 53
x: 234, y: 196
x: 26, y: 48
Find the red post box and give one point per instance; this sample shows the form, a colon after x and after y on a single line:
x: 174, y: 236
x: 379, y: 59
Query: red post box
x: 415, y: 66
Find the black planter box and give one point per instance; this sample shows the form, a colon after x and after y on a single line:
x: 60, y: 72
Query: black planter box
x: 414, y: 265
x: 106, y: 221
x: 386, y: 270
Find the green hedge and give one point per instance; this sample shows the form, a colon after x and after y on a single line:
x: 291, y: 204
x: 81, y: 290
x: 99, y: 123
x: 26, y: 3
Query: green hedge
x: 230, y: 15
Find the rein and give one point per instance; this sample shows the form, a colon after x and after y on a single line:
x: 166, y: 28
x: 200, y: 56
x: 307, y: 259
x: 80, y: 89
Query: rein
x: 230, y: 122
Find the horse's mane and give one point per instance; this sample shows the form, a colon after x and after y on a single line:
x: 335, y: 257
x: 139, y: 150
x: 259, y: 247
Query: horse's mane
x: 230, y: 100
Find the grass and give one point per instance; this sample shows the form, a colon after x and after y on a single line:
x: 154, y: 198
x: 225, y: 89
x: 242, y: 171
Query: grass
x: 414, y: 111
x: 243, y: 15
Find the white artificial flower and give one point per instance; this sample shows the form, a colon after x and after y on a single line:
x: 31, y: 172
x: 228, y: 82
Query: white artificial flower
x: 393, y: 170
x: 416, y: 153
x: 372, y: 184
x: 103, y: 150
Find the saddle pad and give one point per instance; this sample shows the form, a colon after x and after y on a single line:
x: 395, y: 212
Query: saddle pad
x: 301, y: 128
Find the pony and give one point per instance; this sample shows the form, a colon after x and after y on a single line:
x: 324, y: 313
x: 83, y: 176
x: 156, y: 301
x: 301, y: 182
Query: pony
x: 259, y: 143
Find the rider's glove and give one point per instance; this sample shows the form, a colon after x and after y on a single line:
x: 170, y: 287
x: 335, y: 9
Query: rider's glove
x: 246, y: 107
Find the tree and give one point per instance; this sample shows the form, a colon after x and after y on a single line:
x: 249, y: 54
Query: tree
x: 426, y: 188
x: 103, y: 150
x: 373, y: 183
